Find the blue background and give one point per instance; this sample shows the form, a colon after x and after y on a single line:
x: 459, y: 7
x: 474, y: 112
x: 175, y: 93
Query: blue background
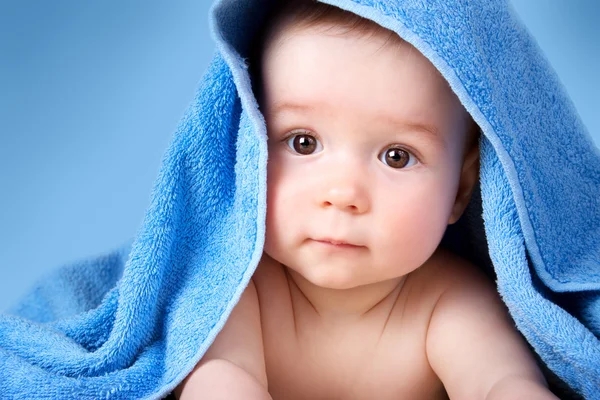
x: 91, y: 92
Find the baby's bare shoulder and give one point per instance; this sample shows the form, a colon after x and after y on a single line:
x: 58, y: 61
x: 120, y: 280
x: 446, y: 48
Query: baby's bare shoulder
x: 274, y: 299
x: 471, y: 333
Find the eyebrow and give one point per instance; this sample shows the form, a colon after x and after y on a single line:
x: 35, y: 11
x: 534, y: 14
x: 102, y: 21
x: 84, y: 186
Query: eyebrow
x: 280, y: 107
x: 431, y: 132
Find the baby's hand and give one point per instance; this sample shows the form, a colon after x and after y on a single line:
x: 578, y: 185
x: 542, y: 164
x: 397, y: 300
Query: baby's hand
x: 473, y: 346
x: 234, y: 365
x: 220, y: 379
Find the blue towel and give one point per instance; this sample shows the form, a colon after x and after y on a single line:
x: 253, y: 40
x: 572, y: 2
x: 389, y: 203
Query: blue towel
x: 133, y: 323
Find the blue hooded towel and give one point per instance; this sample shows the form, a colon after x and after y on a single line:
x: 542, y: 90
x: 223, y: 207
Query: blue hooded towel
x: 133, y: 323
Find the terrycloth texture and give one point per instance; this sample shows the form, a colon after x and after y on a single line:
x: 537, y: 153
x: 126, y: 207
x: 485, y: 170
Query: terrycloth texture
x: 134, y: 323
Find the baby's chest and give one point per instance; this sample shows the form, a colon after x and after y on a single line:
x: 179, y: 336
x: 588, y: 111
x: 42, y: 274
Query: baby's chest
x: 346, y: 369
x: 308, y: 362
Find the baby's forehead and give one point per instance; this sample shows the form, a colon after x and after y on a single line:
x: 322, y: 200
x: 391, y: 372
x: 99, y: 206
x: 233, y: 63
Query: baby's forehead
x: 385, y: 41
x: 305, y: 58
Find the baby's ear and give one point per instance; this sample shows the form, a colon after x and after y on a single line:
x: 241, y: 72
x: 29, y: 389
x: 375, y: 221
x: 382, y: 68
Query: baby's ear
x: 468, y: 178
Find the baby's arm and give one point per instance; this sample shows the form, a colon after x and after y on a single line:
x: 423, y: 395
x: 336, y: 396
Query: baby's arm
x: 234, y: 365
x: 473, y: 347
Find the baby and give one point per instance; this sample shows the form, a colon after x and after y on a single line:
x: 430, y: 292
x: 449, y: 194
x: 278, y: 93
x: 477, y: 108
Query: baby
x: 371, y: 156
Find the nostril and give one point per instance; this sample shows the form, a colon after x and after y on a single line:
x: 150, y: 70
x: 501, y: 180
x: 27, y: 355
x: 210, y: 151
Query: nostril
x: 350, y: 207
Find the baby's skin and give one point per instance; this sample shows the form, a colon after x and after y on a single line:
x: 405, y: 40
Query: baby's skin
x: 354, y: 298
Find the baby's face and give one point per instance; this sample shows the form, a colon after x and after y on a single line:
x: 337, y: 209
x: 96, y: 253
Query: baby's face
x: 365, y: 154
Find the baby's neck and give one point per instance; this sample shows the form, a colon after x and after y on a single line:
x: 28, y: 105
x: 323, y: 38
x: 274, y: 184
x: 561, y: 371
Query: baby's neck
x: 344, y: 305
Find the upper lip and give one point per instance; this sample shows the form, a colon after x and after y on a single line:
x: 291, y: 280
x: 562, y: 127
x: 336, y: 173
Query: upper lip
x: 337, y: 242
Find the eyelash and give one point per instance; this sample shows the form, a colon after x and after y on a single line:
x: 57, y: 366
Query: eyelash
x: 297, y: 132
x: 405, y: 148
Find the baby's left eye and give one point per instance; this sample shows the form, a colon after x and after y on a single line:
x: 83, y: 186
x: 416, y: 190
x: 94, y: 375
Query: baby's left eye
x: 397, y: 157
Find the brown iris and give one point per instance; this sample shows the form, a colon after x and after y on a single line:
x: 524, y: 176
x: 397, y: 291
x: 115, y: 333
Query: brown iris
x: 396, y: 158
x: 304, y: 144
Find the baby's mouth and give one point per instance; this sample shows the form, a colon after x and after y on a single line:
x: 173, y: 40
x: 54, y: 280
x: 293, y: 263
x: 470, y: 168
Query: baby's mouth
x: 336, y: 243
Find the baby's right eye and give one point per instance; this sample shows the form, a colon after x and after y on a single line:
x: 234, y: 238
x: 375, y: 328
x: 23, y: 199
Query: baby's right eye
x: 304, y: 143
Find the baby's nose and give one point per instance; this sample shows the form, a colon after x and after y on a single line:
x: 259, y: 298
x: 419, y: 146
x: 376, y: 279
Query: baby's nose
x: 347, y: 195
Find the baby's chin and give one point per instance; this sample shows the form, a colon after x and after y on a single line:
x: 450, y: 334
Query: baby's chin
x: 334, y: 282
x: 332, y: 277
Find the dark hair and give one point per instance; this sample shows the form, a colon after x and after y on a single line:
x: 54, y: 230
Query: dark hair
x: 310, y: 13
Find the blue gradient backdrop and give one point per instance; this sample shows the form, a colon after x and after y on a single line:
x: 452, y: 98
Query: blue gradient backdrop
x: 91, y: 92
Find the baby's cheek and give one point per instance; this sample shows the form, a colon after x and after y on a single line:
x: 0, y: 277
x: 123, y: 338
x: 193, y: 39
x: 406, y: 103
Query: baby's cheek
x: 283, y: 209
x: 272, y: 229
x: 415, y: 226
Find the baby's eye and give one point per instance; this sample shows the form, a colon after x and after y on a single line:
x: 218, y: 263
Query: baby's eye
x: 397, y: 157
x: 304, y: 144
